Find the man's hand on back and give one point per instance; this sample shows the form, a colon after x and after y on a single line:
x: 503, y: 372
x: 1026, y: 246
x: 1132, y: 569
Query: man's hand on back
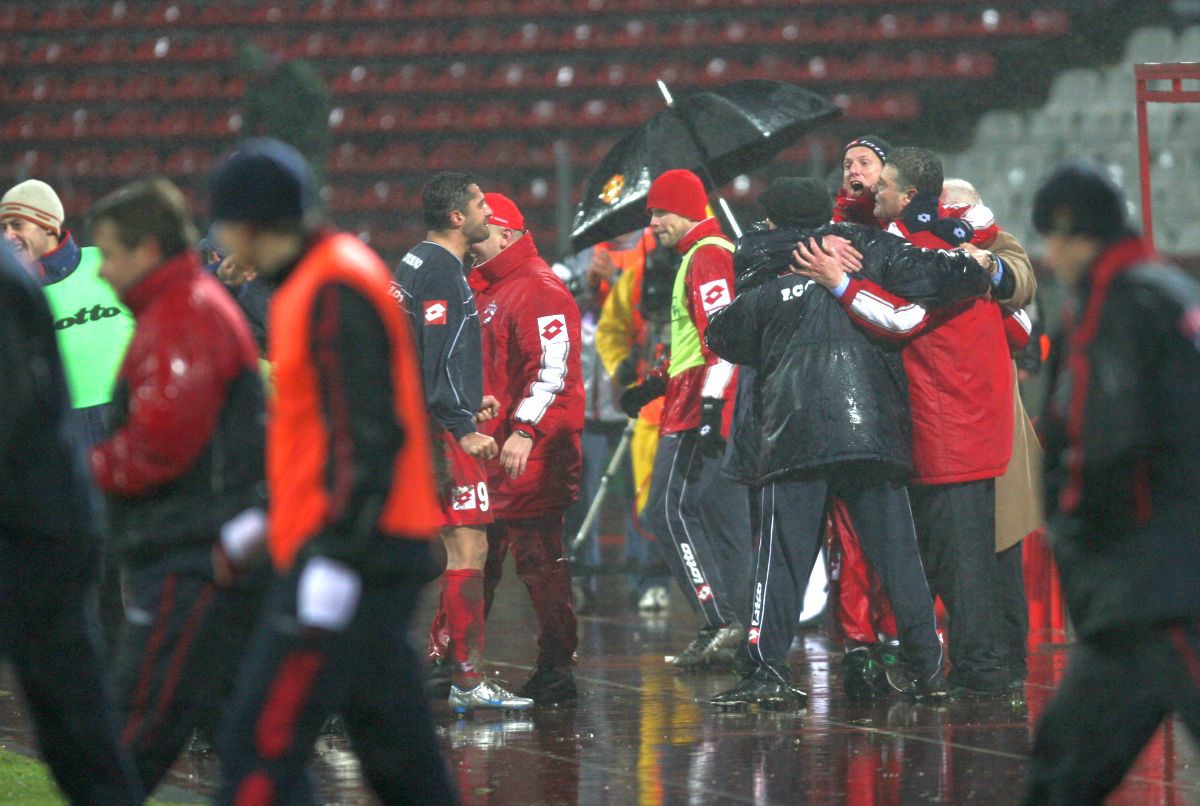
x: 821, y: 263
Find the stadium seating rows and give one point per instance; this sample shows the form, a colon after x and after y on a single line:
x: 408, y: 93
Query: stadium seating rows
x: 121, y: 88
x: 1013, y: 150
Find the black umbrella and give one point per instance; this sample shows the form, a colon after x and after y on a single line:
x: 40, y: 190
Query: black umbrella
x: 719, y: 134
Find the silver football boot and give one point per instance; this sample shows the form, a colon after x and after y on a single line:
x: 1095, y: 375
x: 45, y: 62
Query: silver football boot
x: 487, y: 694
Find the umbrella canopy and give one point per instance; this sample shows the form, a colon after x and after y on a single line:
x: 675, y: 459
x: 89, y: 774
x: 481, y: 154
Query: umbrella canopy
x: 728, y: 131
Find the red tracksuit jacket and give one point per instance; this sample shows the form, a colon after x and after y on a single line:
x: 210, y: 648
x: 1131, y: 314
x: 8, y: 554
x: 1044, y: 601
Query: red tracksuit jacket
x: 960, y: 376
x: 531, y: 364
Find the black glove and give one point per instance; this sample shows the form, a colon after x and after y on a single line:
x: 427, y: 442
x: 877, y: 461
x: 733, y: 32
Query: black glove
x: 633, y: 398
x: 711, y: 440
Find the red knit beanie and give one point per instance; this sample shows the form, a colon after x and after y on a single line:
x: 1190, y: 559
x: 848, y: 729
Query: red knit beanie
x: 680, y: 192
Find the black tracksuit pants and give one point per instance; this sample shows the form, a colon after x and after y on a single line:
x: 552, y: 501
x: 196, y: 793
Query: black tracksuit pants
x: 701, y: 521
x: 177, y: 652
x: 48, y: 631
x: 1117, y: 690
x: 793, y: 514
x: 956, y: 529
x: 294, y: 678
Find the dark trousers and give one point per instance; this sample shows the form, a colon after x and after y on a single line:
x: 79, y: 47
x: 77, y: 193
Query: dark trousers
x: 537, y: 549
x: 48, y: 631
x: 956, y: 529
x: 1116, y: 692
x: 294, y: 678
x: 177, y: 652
x: 702, y: 523
x: 793, y: 513
x: 1014, y: 611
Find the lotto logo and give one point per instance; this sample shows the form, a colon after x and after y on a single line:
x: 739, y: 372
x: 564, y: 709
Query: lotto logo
x: 464, y: 498
x: 552, y: 329
x: 715, y: 295
x: 435, y: 312
x: 752, y: 635
x: 704, y: 593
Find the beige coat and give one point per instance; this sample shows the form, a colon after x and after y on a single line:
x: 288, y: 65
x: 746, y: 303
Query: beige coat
x: 1019, y: 490
x: 1009, y: 249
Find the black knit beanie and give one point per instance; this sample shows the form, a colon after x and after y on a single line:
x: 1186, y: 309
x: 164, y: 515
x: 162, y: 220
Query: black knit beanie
x: 874, y: 142
x: 264, y: 181
x: 792, y: 201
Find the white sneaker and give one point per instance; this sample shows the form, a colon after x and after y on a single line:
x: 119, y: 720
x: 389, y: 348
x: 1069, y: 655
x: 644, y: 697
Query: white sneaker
x: 486, y: 695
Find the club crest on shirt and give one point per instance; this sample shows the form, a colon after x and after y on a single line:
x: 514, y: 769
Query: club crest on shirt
x: 488, y: 313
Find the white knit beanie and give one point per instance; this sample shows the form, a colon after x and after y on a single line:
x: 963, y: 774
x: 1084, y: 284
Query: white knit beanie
x: 34, y: 200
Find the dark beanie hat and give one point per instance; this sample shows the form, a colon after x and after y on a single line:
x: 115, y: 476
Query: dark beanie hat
x: 263, y: 181
x: 797, y: 202
x: 874, y: 142
x: 1078, y: 199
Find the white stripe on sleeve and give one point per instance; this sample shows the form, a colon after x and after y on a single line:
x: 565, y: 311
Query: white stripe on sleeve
x: 885, y: 315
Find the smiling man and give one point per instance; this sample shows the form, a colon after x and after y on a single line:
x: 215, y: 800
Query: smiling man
x: 92, y: 326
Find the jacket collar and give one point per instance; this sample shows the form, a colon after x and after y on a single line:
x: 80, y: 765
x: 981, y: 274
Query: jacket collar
x: 702, y: 229
x: 142, y: 293
x: 518, y: 254
x: 1113, y: 261
x: 59, y: 264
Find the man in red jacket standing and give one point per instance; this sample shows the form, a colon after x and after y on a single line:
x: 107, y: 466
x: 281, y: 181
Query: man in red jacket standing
x: 530, y: 326
x: 961, y: 384
x: 701, y: 519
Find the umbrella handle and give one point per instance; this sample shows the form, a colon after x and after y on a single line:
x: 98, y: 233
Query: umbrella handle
x: 737, y: 231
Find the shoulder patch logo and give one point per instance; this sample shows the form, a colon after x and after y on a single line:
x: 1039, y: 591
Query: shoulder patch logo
x: 715, y: 294
x: 435, y: 312
x: 552, y: 329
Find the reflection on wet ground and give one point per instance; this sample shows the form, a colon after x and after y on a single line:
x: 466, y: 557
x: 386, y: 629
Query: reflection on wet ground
x: 642, y: 734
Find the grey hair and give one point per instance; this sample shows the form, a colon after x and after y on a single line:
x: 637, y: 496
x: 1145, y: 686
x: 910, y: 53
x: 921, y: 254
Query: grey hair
x: 959, y: 193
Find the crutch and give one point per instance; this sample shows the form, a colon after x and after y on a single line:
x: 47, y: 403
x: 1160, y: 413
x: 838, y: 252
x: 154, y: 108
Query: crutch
x: 593, y: 512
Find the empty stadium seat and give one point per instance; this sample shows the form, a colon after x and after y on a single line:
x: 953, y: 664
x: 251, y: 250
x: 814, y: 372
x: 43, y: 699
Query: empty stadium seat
x: 1000, y: 126
x: 1150, y: 44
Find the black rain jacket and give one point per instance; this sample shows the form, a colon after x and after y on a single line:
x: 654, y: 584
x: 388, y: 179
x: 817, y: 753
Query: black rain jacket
x: 825, y: 392
x: 1122, y: 436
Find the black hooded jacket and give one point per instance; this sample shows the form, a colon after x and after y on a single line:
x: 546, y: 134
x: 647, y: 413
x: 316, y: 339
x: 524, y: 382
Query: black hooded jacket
x: 826, y: 393
x: 1122, y: 435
